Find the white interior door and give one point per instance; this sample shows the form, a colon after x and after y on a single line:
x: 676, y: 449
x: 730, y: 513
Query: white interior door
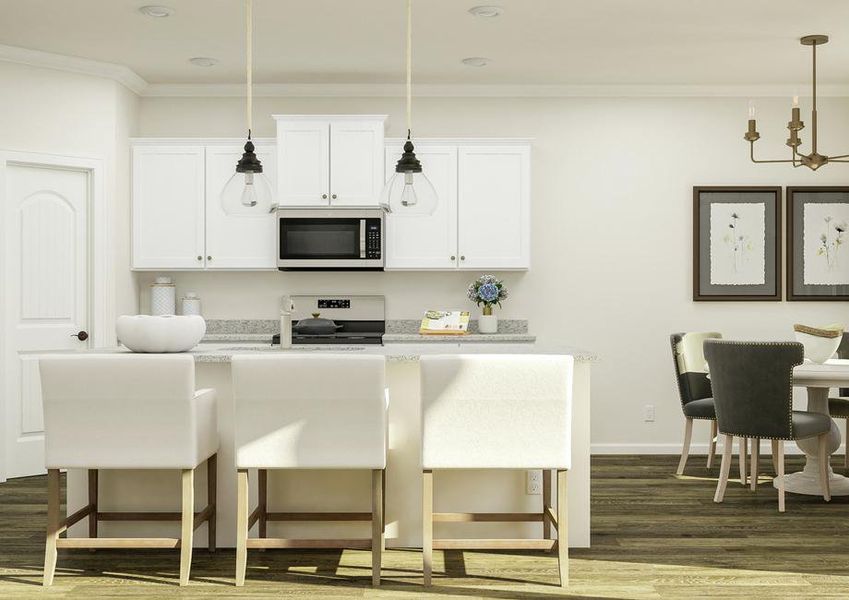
x: 46, y: 273
x: 426, y: 242
x: 243, y: 241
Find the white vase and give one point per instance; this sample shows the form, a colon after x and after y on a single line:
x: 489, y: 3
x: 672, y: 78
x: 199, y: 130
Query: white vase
x: 488, y: 324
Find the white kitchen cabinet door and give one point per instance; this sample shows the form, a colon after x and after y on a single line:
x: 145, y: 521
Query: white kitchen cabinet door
x: 356, y: 162
x: 426, y: 242
x: 303, y: 162
x: 168, y: 207
x: 238, y: 242
x: 494, y: 207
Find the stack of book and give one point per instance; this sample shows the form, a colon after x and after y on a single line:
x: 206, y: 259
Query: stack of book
x: 445, y: 322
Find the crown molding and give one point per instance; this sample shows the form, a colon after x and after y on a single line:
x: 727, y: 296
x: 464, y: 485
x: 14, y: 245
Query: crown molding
x: 74, y: 64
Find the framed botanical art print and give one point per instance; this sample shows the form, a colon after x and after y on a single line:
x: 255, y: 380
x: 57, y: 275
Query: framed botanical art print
x: 736, y: 243
x: 817, y: 243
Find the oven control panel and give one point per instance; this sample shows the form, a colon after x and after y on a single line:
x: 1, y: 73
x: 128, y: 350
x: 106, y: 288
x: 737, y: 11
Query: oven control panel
x: 334, y: 303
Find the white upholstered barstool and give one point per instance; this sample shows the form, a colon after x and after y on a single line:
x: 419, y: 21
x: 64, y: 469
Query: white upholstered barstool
x: 127, y: 411
x: 298, y: 411
x: 497, y: 412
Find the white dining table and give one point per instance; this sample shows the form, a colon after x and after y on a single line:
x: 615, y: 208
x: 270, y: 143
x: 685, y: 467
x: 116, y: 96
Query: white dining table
x: 818, y: 379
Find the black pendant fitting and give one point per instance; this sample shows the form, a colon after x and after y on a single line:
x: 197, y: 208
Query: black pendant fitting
x: 408, y: 162
x: 249, y: 163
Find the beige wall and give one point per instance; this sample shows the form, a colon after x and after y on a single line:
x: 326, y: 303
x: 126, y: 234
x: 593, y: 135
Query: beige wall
x: 611, y: 252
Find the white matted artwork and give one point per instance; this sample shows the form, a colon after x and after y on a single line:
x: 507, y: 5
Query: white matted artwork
x: 737, y: 244
x: 825, y: 244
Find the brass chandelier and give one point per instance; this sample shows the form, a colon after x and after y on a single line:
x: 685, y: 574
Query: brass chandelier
x: 814, y: 160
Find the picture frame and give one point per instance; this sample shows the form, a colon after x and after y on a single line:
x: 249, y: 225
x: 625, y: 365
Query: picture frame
x: 737, y: 243
x: 817, y: 247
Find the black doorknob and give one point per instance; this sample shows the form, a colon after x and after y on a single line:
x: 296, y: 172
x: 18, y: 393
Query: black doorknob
x: 82, y: 336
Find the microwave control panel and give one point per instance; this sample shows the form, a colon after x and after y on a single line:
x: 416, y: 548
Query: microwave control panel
x: 373, y: 241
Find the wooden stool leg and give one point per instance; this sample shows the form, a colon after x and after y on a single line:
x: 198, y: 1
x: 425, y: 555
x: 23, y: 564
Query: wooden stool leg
x: 756, y: 457
x: 262, y: 497
x: 241, y: 527
x: 562, y: 528
x: 212, y: 498
x: 92, y: 500
x: 724, y: 468
x: 711, y: 444
x: 685, y: 449
x: 383, y: 509
x: 824, y: 456
x: 778, y: 449
x: 188, y: 524
x: 376, y: 524
x: 546, y: 502
x: 846, y: 446
x: 427, y: 525
x: 53, y: 501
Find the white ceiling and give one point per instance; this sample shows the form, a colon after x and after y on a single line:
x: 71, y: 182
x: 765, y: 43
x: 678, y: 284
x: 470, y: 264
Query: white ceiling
x: 554, y: 42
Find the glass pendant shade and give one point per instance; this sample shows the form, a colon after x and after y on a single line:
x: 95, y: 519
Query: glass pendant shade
x: 247, y: 192
x: 409, y: 192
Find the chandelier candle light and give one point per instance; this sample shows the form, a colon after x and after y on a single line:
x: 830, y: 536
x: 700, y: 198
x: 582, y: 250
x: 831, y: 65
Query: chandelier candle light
x: 409, y: 192
x: 248, y: 193
x: 814, y: 160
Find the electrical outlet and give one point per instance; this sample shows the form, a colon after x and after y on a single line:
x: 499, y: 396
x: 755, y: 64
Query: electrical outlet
x: 534, y: 483
x: 648, y: 413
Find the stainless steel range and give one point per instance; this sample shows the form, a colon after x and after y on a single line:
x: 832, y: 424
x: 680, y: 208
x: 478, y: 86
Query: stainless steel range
x: 336, y: 319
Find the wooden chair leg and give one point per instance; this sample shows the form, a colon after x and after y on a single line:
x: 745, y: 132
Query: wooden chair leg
x: 212, y: 499
x: 546, y: 503
x: 92, y: 500
x: 241, y: 526
x: 188, y: 525
x: 846, y: 447
x: 778, y: 450
x: 53, y: 501
x: 824, y: 456
x: 427, y: 525
x: 774, y: 457
x: 724, y: 468
x: 711, y: 444
x: 562, y: 527
x: 743, y: 450
x: 262, y: 499
x: 756, y: 458
x: 376, y: 524
x: 383, y: 509
x: 685, y: 450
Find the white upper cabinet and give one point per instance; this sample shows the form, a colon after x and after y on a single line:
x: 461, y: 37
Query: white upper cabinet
x: 494, y: 207
x: 330, y: 159
x: 426, y: 242
x: 168, y: 207
x: 238, y: 242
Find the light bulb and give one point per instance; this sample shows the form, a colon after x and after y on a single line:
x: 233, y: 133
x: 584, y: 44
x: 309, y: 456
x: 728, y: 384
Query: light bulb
x: 247, y: 194
x: 751, y: 109
x: 408, y: 194
x: 249, y: 199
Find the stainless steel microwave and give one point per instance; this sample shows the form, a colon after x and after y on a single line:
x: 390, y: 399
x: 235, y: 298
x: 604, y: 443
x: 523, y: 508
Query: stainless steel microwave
x: 331, y: 239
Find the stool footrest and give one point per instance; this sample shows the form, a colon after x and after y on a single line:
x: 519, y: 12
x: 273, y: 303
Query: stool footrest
x: 495, y: 544
x: 354, y: 544
x: 318, y: 516
x: 118, y: 543
x: 470, y: 517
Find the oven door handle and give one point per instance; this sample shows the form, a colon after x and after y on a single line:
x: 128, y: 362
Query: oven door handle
x: 362, y: 238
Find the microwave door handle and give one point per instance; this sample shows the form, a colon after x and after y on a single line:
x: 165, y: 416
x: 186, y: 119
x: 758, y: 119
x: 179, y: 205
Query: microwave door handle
x: 362, y: 238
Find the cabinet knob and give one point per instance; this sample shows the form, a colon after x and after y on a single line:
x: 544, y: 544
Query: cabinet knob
x: 333, y: 197
x: 324, y: 196
x: 82, y: 336
x: 462, y: 258
x: 208, y: 258
x: 200, y: 257
x: 453, y: 258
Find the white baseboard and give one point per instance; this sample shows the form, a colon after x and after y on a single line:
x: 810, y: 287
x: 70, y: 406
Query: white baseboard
x: 695, y: 449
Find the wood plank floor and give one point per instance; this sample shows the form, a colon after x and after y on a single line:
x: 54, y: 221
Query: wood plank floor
x: 654, y: 536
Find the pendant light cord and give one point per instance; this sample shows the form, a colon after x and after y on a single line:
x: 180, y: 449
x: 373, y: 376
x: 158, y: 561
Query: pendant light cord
x: 409, y: 66
x: 249, y: 62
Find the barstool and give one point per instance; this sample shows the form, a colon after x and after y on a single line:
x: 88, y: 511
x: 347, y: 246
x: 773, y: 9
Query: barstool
x: 127, y: 411
x: 300, y: 411
x: 497, y: 412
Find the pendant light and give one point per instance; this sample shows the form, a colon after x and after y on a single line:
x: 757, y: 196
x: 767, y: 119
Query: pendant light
x: 409, y: 192
x: 248, y: 192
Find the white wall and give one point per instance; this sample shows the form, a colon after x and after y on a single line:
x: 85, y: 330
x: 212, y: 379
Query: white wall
x: 612, y: 196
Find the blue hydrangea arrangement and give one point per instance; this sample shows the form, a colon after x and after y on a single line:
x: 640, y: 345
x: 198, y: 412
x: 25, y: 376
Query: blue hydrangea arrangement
x: 487, y: 291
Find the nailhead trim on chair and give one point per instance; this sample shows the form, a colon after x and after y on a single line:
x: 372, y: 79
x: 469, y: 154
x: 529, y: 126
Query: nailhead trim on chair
x: 790, y: 413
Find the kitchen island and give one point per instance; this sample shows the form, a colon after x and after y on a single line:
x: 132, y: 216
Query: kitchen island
x: 476, y: 491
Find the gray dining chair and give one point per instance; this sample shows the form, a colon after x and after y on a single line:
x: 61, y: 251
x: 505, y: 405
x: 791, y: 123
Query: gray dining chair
x: 838, y: 407
x: 753, y: 395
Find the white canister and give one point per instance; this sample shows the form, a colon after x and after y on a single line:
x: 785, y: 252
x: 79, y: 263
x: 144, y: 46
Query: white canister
x: 191, y: 304
x: 285, y: 329
x: 163, y: 297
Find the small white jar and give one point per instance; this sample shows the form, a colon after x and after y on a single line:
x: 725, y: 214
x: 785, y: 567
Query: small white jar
x: 191, y: 304
x: 163, y: 297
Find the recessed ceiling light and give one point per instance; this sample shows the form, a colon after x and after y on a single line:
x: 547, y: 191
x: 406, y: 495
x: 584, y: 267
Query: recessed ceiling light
x: 476, y: 61
x: 486, y: 12
x: 203, y: 61
x: 158, y: 12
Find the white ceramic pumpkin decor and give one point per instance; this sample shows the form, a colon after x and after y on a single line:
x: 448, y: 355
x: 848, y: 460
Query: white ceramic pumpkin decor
x: 160, y: 334
x: 820, y: 342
